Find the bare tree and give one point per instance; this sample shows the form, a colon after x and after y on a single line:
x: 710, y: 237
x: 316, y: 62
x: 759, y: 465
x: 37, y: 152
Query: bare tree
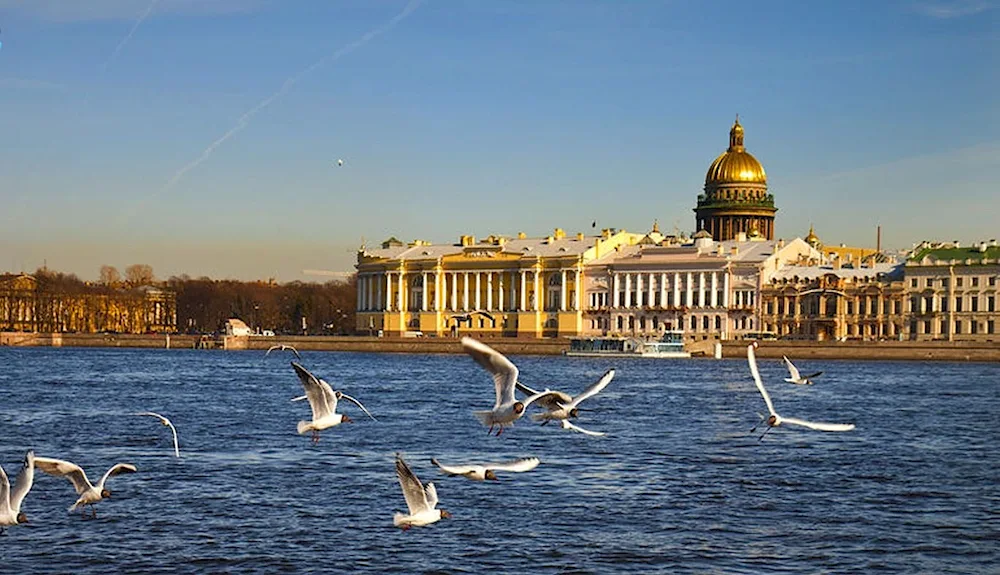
x: 110, y: 275
x: 139, y: 274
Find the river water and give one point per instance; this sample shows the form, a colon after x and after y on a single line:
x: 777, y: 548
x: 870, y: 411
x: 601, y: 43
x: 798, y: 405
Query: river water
x: 678, y: 485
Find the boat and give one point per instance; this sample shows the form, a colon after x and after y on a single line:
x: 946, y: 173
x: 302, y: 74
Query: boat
x: 671, y: 345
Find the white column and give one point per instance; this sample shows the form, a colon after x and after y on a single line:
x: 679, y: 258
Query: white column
x: 689, y: 290
x: 578, y: 286
x: 614, y: 290
x: 524, y: 289
x: 489, y: 292
x: 725, y: 289
x: 562, y: 291
x: 638, y: 289
x: 715, y: 289
x: 377, y: 304
x: 360, y: 303
x: 388, y: 291
x: 465, y: 291
x: 701, y: 289
x: 454, y: 291
x: 424, y: 293
x: 651, y: 292
x: 628, y: 290
x: 438, y: 290
x: 663, y: 290
x: 479, y: 290
x: 538, y: 290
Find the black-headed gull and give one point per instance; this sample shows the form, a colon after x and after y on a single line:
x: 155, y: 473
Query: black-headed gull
x: 507, y: 408
x: 323, y: 401
x: 89, y: 493
x: 167, y: 422
x: 774, y: 420
x: 482, y: 472
x: 420, y: 501
x: 283, y: 347
x: 795, y: 377
x: 561, y: 406
x: 10, y: 500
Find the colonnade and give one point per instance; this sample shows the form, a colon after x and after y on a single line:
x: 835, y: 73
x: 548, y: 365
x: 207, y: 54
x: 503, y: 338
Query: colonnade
x: 670, y: 289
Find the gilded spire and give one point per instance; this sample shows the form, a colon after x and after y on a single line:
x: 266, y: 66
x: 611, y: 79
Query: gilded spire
x: 656, y: 226
x: 736, y: 136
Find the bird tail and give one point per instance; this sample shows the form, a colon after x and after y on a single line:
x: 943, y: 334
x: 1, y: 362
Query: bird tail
x: 398, y: 518
x: 484, y: 417
x: 304, y: 427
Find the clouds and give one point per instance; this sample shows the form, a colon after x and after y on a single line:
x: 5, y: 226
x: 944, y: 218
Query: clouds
x: 947, y: 10
x: 91, y: 10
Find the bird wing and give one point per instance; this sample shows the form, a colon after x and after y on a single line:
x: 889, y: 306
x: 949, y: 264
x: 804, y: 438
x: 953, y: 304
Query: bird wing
x: 453, y: 469
x: 358, y: 403
x: 533, y: 398
x: 70, y: 471
x: 487, y: 315
x: 283, y: 347
x: 518, y: 465
x: 567, y: 425
x: 4, y: 492
x: 752, y: 360
x: 593, y: 389
x: 23, y: 483
x: 431, y: 494
x: 413, y: 490
x: 168, y: 423
x: 812, y: 375
x: 551, y: 400
x: 316, y: 393
x: 793, y: 371
x: 116, y: 470
x: 819, y: 426
x: 504, y: 372
x: 162, y: 419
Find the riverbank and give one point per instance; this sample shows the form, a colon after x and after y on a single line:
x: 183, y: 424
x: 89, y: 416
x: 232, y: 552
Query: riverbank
x: 885, y: 350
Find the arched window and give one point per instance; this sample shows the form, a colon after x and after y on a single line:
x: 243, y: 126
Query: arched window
x: 694, y: 323
x: 718, y: 323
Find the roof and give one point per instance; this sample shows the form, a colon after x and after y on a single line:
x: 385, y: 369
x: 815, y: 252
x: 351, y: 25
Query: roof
x: 812, y: 272
x: 550, y: 246
x: 946, y: 255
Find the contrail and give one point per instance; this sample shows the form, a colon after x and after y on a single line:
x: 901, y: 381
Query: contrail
x: 244, y: 120
x: 128, y: 36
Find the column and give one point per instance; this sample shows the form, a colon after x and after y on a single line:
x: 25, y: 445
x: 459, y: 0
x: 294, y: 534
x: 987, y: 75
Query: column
x: 423, y: 292
x: 359, y: 304
x: 465, y: 291
x: 714, y: 300
x: 388, y: 291
x: 677, y: 289
x: 614, y: 290
x: 438, y: 290
x: 638, y: 290
x: 562, y: 290
x: 403, y: 305
x: 689, y: 290
x: 489, y: 279
x: 479, y: 291
x: 377, y: 304
x: 628, y: 290
x: 651, y: 292
x: 454, y: 291
x: 663, y: 290
x: 579, y: 290
x: 701, y: 289
x: 538, y: 290
x: 725, y: 289
x: 524, y: 288
x: 489, y: 291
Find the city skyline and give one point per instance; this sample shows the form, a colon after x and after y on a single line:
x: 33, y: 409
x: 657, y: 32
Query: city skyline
x: 202, y: 138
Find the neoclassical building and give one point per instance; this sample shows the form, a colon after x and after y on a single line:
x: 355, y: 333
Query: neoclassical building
x: 736, y: 199
x: 527, y: 287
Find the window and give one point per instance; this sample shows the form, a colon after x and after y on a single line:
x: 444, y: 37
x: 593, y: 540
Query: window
x: 898, y: 307
x: 958, y: 326
x: 930, y: 282
x: 974, y: 303
x: 694, y: 323
x: 958, y: 282
x: 944, y: 326
x: 620, y: 323
x: 913, y: 283
x: 992, y: 281
x: 974, y: 327
x: 991, y: 303
x: 975, y: 282
x: 958, y: 303
x: 850, y: 308
x: 718, y: 323
x: 705, y: 323
x: 991, y: 326
x: 944, y: 304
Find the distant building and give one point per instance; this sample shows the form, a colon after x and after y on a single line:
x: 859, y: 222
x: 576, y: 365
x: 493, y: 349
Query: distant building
x: 952, y: 291
x: 237, y: 327
x: 847, y: 256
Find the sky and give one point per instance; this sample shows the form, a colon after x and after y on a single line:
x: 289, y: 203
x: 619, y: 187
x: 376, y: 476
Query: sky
x: 201, y: 137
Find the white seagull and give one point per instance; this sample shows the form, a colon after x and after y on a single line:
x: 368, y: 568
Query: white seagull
x: 283, y: 347
x: 561, y: 406
x: 482, y: 472
x: 420, y: 501
x: 507, y: 408
x: 775, y: 420
x: 795, y: 377
x: 10, y: 501
x: 165, y: 421
x: 323, y: 401
x: 89, y: 493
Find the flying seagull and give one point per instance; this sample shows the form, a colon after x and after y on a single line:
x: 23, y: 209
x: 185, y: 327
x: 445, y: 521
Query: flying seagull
x: 323, y: 401
x: 507, y: 408
x: 10, y: 501
x: 482, y: 472
x: 420, y: 501
x: 165, y: 421
x: 89, y: 493
x: 774, y: 420
x: 283, y: 347
x: 795, y: 377
x: 560, y: 406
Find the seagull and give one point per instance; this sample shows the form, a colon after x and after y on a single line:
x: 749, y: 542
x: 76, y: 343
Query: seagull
x: 165, y: 421
x: 477, y: 472
x: 340, y: 162
x: 89, y: 493
x: 560, y: 406
x: 507, y: 408
x: 10, y: 501
x: 283, y: 347
x: 795, y: 377
x: 420, y: 501
x: 323, y: 401
x: 775, y: 420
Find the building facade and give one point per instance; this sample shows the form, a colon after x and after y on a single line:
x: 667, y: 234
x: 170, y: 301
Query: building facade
x: 735, y: 199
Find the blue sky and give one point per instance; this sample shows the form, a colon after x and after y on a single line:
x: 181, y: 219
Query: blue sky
x: 201, y: 136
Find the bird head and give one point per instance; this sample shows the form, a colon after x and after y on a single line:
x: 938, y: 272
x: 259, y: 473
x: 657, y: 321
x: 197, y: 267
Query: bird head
x: 22, y: 517
x: 445, y: 514
x: 346, y: 419
x: 574, y: 412
x: 105, y: 493
x: 755, y: 344
x: 518, y: 407
x: 491, y: 475
x: 772, y: 420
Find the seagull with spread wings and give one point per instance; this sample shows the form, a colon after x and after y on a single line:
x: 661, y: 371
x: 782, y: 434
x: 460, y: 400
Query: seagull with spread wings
x: 323, y: 401
x: 795, y: 377
x: 88, y: 492
x: 560, y: 406
x: 482, y: 472
x: 774, y: 420
x: 506, y: 408
x: 420, y: 501
x: 283, y: 347
x: 167, y: 422
x: 10, y: 501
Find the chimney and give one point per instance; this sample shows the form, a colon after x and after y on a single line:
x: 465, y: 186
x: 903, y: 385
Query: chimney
x: 579, y: 236
x: 741, y: 237
x: 521, y: 235
x: 878, y: 240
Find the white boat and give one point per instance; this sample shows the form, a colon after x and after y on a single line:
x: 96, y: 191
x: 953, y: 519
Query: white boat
x: 671, y: 345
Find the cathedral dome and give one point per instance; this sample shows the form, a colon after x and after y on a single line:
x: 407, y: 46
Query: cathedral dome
x: 735, y: 165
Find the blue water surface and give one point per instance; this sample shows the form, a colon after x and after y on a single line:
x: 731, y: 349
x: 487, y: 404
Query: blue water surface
x: 678, y: 485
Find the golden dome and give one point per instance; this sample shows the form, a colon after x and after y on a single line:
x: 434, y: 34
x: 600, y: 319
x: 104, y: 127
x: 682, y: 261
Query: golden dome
x: 735, y: 165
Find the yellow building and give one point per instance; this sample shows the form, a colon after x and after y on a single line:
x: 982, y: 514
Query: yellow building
x: 519, y: 287
x: 844, y: 255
